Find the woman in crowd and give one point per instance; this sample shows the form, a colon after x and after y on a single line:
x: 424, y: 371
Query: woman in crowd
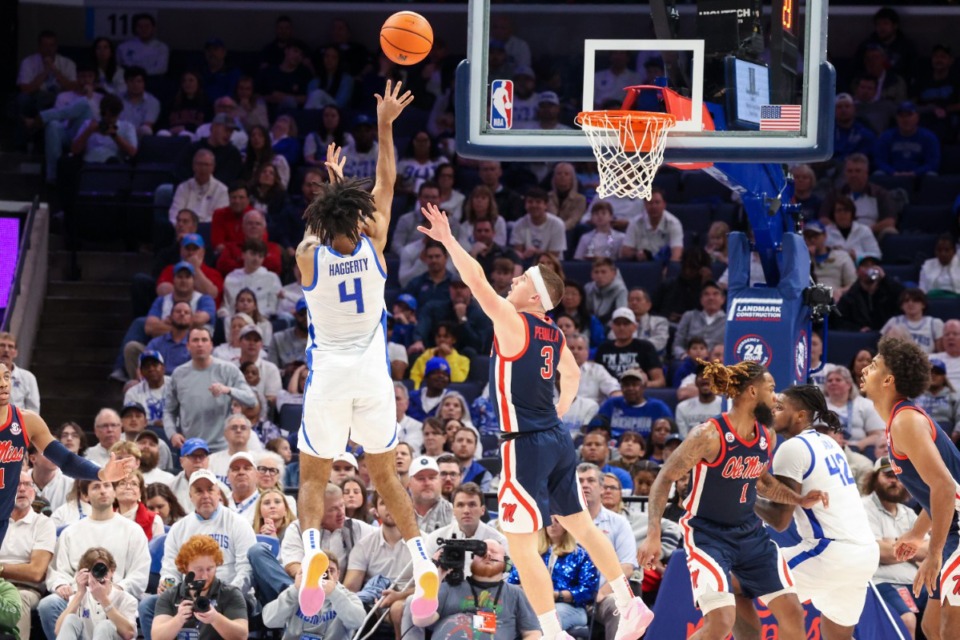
x: 816, y: 355
x: 251, y: 108
x: 189, y: 108
x: 856, y: 413
x: 804, y: 181
x: 675, y: 509
x: 332, y: 78
x: 161, y: 500
x: 574, y: 304
x: 451, y: 200
x: 575, y: 577
x: 659, y: 432
x: 859, y: 362
x: 940, y: 275
x: 247, y: 303
x: 643, y: 479
x: 227, y: 616
x: 109, y: 73
x: 717, y: 241
x: 267, y: 194
x: 259, y: 153
x: 355, y: 500
x: 131, y: 494
x: 567, y: 325
x: 563, y: 199
x: 633, y: 450
x: 847, y: 234
x: 331, y: 129
x: 434, y: 437
x: 551, y: 262
x: 230, y: 350
x: 271, y: 515
x: 940, y: 399
x: 481, y: 205
x: 611, y: 493
x: 454, y: 407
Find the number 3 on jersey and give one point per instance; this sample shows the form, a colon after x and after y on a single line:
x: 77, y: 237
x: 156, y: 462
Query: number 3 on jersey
x: 356, y: 296
x: 546, y: 372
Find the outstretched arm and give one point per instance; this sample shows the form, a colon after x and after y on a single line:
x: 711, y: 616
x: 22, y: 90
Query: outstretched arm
x: 70, y: 463
x: 776, y: 491
x: 703, y: 443
x: 389, y: 107
x: 506, y: 321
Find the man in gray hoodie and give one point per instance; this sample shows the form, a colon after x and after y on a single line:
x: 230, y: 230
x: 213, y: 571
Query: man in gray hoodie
x: 606, y: 290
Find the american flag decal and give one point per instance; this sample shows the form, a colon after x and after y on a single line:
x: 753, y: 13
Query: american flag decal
x: 780, y: 117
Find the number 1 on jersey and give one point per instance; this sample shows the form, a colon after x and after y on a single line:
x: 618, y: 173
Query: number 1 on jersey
x: 356, y: 296
x: 743, y: 494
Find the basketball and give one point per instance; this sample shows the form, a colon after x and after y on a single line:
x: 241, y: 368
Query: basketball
x: 406, y: 37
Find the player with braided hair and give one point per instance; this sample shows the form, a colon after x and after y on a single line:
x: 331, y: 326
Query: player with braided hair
x: 729, y: 456
x: 838, y: 553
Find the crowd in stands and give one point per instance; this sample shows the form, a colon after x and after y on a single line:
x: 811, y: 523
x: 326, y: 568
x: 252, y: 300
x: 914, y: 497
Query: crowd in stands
x: 213, y: 363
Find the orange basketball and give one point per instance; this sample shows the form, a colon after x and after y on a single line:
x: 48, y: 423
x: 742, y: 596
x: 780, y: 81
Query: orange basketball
x: 406, y: 37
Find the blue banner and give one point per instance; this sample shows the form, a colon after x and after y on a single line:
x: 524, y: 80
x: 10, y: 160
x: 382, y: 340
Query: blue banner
x: 678, y: 617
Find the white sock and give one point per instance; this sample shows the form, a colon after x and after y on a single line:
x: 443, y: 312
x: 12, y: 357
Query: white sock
x: 417, y: 550
x: 550, y: 624
x: 622, y: 592
x: 311, y: 540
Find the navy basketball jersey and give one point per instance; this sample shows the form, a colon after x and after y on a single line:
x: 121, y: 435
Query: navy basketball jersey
x: 904, y: 468
x: 522, y: 387
x: 13, y: 451
x: 725, y: 490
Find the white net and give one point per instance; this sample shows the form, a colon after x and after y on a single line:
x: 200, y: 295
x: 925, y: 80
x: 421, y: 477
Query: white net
x: 629, y: 149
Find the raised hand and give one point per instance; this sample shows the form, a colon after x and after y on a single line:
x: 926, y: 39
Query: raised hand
x: 335, y: 162
x: 391, y: 103
x: 116, y: 470
x: 439, y: 224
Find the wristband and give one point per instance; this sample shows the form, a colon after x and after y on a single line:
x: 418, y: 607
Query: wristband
x: 70, y: 463
x: 107, y: 608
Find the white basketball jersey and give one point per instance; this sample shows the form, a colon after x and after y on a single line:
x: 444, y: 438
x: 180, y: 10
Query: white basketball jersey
x: 818, y: 462
x: 347, y: 315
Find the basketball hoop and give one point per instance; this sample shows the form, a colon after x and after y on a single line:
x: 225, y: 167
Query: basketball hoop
x: 629, y: 147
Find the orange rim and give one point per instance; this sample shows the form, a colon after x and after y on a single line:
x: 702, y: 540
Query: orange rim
x: 638, y: 130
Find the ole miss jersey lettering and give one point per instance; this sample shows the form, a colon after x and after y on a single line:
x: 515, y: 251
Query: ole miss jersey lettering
x: 522, y: 386
x: 724, y: 491
x: 13, y: 449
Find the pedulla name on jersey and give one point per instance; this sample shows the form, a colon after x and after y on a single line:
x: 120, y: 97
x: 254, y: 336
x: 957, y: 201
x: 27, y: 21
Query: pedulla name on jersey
x: 351, y: 266
x: 743, y: 468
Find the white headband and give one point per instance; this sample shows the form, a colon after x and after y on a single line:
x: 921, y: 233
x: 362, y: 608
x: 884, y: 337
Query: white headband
x: 534, y: 274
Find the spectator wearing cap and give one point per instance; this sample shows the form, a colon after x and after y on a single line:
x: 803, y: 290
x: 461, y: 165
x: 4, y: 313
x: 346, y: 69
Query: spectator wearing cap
x: 24, y: 391
x: 105, y: 528
x: 227, y: 222
x: 344, y: 466
x: 228, y: 162
x: 194, y: 455
x: 236, y: 431
x: 871, y: 300
x: 287, y: 347
x: 218, y: 79
x: 596, y: 450
x: 253, y: 227
x: 241, y: 476
x: 404, y: 319
x: 144, y: 50
x: 940, y: 400
x: 232, y: 532
x: 432, y: 510
x: 707, y: 322
x: 939, y: 276
x: 890, y: 519
x: 655, y: 235
x: 608, y: 84
x: 445, y: 339
x: 202, y: 193
x: 149, y: 444
x: 631, y: 411
x: 938, y: 93
x: 425, y: 401
x: 204, y: 309
x: 27, y: 550
x: 899, y: 50
x: 149, y: 391
x: 107, y: 428
x: 253, y: 276
x: 950, y: 355
x: 285, y: 84
x: 133, y: 422
x: 907, y: 149
x: 251, y: 350
x: 200, y: 393
x: 914, y: 324
x: 538, y: 231
x: 849, y: 235
x: 875, y: 207
x: 625, y: 351
x: 525, y: 98
x: 171, y: 346
x: 206, y: 279
x: 849, y: 134
x: 831, y: 267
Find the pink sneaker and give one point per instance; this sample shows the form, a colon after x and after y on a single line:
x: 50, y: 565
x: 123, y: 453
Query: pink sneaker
x: 424, y: 604
x: 311, y: 585
x: 634, y: 621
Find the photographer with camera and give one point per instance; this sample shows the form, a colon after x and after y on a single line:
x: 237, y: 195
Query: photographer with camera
x: 201, y: 602
x: 829, y: 267
x: 99, y: 610
x: 484, y: 602
x: 108, y: 139
x: 872, y: 300
x: 341, y: 615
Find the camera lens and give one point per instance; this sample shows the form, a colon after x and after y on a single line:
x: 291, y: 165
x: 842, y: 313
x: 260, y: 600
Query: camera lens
x: 99, y: 571
x: 201, y: 604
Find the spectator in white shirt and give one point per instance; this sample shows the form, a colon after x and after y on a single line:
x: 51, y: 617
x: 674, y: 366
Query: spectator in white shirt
x: 539, y: 231
x: 253, y: 276
x: 694, y: 411
x: 846, y: 233
x: 145, y: 50
x: 140, y: 108
x: 410, y: 430
x: 148, y: 393
x: 108, y: 429
x: 103, y: 528
x: 49, y: 482
x: 951, y: 351
x: 24, y: 392
x: 203, y: 194
x: 657, y: 235
x: 108, y: 138
x: 608, y: 83
x: 236, y: 431
x: 604, y: 241
x: 941, y: 274
x: 27, y: 550
x: 99, y: 608
x: 596, y: 383
x: 43, y: 75
x: 242, y: 478
x: 518, y: 51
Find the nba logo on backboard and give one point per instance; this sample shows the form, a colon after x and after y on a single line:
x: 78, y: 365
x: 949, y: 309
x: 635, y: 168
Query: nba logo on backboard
x: 501, y: 104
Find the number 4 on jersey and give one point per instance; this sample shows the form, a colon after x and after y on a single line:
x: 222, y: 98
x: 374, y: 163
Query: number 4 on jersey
x: 356, y: 296
x: 837, y: 464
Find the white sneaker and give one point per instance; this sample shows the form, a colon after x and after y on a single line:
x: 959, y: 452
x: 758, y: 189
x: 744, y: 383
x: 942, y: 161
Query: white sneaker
x: 634, y: 621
